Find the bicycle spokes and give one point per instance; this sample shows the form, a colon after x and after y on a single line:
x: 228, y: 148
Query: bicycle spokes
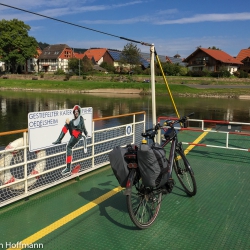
x: 143, y: 205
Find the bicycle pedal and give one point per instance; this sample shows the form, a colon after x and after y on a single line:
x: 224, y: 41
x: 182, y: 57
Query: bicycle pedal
x: 170, y: 185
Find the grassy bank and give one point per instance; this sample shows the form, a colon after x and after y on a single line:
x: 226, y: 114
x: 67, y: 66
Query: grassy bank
x: 178, y: 86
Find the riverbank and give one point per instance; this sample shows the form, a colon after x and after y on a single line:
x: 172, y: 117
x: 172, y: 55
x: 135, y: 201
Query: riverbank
x: 198, y: 88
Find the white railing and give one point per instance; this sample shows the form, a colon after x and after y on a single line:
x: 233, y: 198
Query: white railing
x: 23, y: 173
x: 224, y: 134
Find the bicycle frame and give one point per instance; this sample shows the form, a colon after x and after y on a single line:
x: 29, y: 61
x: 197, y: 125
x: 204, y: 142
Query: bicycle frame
x: 171, y: 158
x: 174, y: 141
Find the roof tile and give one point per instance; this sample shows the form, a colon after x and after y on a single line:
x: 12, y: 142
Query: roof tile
x: 243, y: 54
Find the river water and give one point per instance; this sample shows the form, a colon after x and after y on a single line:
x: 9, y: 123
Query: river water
x: 15, y: 106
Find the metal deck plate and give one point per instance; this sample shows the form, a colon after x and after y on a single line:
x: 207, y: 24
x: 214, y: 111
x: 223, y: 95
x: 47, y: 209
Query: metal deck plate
x: 216, y: 218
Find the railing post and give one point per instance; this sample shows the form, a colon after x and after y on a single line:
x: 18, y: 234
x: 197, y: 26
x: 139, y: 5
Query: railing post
x: 93, y: 145
x: 133, y: 129
x: 25, y: 162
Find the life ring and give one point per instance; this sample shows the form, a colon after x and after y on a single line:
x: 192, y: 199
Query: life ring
x: 6, y: 176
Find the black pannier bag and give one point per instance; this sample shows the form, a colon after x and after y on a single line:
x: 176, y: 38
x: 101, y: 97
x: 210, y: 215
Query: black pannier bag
x: 119, y: 165
x: 153, y: 165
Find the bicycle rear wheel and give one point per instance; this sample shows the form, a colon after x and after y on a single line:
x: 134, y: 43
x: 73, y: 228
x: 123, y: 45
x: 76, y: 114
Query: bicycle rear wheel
x: 143, y: 204
x: 184, y: 173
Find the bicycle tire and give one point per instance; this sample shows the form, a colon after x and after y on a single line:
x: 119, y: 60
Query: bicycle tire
x: 185, y: 173
x: 143, y: 204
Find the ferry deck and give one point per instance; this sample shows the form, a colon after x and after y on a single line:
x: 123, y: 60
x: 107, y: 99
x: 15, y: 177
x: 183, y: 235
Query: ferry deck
x: 89, y: 212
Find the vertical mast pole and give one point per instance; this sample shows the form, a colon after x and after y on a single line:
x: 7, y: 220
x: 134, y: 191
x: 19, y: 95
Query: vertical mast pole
x: 152, y: 67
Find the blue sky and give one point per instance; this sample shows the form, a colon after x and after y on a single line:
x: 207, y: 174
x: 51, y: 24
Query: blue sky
x: 172, y: 26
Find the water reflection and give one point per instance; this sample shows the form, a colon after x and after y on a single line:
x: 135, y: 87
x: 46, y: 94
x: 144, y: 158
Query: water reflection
x: 16, y: 105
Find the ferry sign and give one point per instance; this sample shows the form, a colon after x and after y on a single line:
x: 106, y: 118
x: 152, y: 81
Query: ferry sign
x: 129, y: 129
x: 44, y: 127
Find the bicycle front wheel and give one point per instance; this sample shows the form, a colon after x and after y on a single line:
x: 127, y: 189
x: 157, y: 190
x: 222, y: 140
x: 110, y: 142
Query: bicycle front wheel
x: 184, y: 173
x: 143, y: 204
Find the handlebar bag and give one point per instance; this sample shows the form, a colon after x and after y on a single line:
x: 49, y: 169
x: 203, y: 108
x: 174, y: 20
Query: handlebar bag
x: 153, y: 165
x: 119, y: 165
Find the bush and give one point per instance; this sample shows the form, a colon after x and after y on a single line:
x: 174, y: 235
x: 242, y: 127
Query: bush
x: 183, y: 71
x: 224, y: 73
x: 196, y: 73
x: 243, y: 74
x: 67, y: 77
x: 207, y: 73
x: 108, y: 67
x: 236, y: 73
x: 221, y: 74
x: 59, y: 72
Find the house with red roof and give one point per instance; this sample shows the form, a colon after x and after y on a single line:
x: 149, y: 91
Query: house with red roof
x: 244, y: 57
x: 99, y: 55
x: 55, y: 57
x: 212, y: 60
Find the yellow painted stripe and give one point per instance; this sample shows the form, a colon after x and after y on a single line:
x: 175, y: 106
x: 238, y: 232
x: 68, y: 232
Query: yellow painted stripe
x: 64, y: 220
x: 190, y: 147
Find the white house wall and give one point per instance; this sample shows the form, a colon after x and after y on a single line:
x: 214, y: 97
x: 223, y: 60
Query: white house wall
x: 100, y: 61
x: 2, y: 66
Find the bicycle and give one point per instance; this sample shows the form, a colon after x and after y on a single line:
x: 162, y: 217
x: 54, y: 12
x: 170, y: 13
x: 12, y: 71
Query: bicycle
x: 143, y: 203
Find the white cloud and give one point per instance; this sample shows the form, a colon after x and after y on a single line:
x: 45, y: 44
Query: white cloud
x: 157, y: 18
x: 49, y: 8
x: 31, y: 4
x: 117, y: 22
x: 209, y: 18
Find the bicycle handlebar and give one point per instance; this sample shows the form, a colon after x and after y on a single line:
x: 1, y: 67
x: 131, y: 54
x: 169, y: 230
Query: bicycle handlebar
x: 181, y: 120
x: 167, y: 123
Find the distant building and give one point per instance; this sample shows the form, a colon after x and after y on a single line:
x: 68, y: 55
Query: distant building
x: 116, y: 54
x: 244, y: 57
x: 212, y: 60
x: 99, y: 55
x: 2, y: 66
x: 147, y: 57
x: 55, y: 57
x: 176, y: 59
x: 32, y: 63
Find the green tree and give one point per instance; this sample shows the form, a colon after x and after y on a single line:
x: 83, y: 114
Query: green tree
x: 85, y: 65
x: 173, y: 69
x: 42, y: 46
x: 108, y: 67
x: 130, y: 55
x: 16, y: 46
x: 73, y: 65
x: 214, y: 48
